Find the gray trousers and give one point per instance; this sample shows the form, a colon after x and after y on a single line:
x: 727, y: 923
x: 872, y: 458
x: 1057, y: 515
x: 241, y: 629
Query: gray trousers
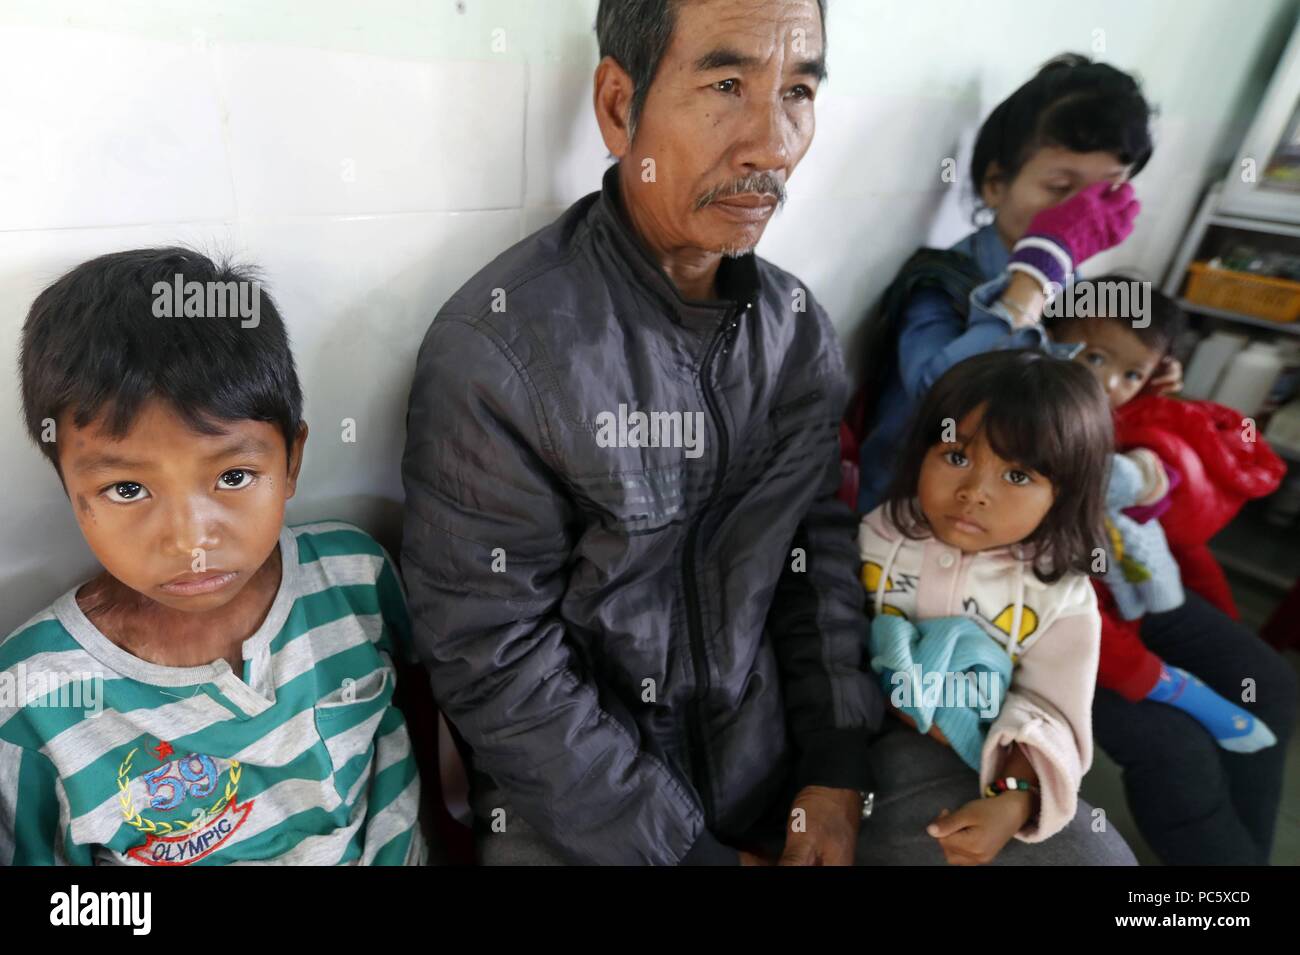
x: 916, y: 777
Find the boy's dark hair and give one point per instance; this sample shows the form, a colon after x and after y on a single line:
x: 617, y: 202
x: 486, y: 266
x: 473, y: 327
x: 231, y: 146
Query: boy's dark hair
x: 1166, y: 320
x: 636, y: 33
x: 1073, y: 103
x: 1043, y: 413
x: 92, y: 343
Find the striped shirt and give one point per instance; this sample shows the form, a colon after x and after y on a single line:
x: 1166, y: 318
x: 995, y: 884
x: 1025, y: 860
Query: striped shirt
x: 106, y: 758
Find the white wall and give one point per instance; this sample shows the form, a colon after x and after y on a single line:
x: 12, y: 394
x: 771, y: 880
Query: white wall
x: 372, y: 155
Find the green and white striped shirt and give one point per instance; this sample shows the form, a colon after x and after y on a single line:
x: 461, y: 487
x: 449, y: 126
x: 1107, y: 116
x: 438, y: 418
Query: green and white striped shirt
x: 106, y: 758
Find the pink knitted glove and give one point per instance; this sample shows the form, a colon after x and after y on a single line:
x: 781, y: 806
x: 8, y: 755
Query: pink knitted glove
x: 1059, y: 238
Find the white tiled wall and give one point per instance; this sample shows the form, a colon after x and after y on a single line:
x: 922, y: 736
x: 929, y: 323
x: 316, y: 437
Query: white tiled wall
x: 371, y: 154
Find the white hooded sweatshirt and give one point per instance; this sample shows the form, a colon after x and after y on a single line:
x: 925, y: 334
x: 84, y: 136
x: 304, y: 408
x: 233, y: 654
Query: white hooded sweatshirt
x: 1048, y: 706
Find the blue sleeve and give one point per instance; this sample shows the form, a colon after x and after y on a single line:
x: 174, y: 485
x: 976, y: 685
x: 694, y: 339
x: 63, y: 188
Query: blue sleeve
x: 934, y: 336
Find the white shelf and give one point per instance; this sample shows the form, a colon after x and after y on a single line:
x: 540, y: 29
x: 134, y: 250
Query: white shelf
x: 1262, y: 226
x: 1282, y: 328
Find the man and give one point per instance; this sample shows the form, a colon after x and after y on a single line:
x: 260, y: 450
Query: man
x: 671, y: 633
x: 630, y: 579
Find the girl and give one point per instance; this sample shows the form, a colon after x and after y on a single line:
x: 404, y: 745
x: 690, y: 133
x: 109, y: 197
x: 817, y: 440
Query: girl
x: 1050, y: 172
x: 991, y: 522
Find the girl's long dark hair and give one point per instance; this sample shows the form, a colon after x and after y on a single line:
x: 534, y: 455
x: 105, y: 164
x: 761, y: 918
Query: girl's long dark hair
x: 1046, y: 414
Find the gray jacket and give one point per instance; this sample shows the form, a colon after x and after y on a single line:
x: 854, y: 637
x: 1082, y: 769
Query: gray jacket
x: 647, y: 632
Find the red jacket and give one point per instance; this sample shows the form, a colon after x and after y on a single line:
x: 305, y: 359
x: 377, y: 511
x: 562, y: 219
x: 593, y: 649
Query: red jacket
x: 1223, y: 465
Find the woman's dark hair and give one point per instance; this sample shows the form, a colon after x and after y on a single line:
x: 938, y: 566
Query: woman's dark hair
x: 1113, y: 296
x: 1046, y: 414
x: 97, y: 339
x: 1073, y: 103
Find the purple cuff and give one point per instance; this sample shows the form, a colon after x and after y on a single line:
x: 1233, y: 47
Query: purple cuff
x: 1039, y: 262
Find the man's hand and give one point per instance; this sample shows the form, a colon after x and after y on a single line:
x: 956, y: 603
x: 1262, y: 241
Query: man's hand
x: 976, y: 833
x: 823, y: 827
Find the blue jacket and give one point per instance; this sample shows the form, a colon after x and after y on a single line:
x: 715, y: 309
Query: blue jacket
x: 934, y: 337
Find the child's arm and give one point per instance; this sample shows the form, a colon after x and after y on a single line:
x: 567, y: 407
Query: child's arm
x: 934, y: 336
x: 1160, y: 503
x: 1042, y: 735
x: 1137, y: 478
x: 977, y: 832
x: 1047, y: 712
x: 1155, y: 478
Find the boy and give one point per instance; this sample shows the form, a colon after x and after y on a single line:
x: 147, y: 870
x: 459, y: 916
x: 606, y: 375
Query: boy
x: 242, y: 670
x: 1202, y: 792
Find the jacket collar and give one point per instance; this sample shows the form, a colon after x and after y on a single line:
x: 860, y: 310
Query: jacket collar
x: 738, y: 278
x: 985, y: 247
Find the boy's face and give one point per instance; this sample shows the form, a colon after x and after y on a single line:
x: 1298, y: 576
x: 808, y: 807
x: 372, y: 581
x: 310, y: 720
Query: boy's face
x: 975, y: 500
x: 1051, y: 176
x: 184, y: 519
x: 1119, y: 359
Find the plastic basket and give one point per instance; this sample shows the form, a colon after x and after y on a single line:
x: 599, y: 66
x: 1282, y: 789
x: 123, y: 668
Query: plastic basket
x: 1260, y: 296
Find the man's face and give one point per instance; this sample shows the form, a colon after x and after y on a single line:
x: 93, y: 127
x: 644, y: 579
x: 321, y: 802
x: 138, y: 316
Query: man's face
x: 728, y: 117
x: 1114, y: 353
x: 1051, y: 176
x: 182, y: 518
x: 975, y: 500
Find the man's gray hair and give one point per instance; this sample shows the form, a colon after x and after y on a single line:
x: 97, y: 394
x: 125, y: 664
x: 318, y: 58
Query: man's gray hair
x: 636, y: 34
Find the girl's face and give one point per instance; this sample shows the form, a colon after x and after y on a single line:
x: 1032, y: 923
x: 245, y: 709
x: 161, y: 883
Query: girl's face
x: 1051, y: 176
x: 975, y: 500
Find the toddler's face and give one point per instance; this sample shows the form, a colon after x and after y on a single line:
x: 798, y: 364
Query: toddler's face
x: 975, y: 500
x: 184, y: 519
x: 1119, y: 359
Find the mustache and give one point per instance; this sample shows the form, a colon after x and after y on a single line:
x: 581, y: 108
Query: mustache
x: 761, y: 183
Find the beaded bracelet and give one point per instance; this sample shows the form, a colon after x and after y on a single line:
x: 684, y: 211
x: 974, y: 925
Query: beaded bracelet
x: 1008, y: 784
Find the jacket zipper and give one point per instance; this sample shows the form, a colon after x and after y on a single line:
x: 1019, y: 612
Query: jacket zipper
x: 699, y: 755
